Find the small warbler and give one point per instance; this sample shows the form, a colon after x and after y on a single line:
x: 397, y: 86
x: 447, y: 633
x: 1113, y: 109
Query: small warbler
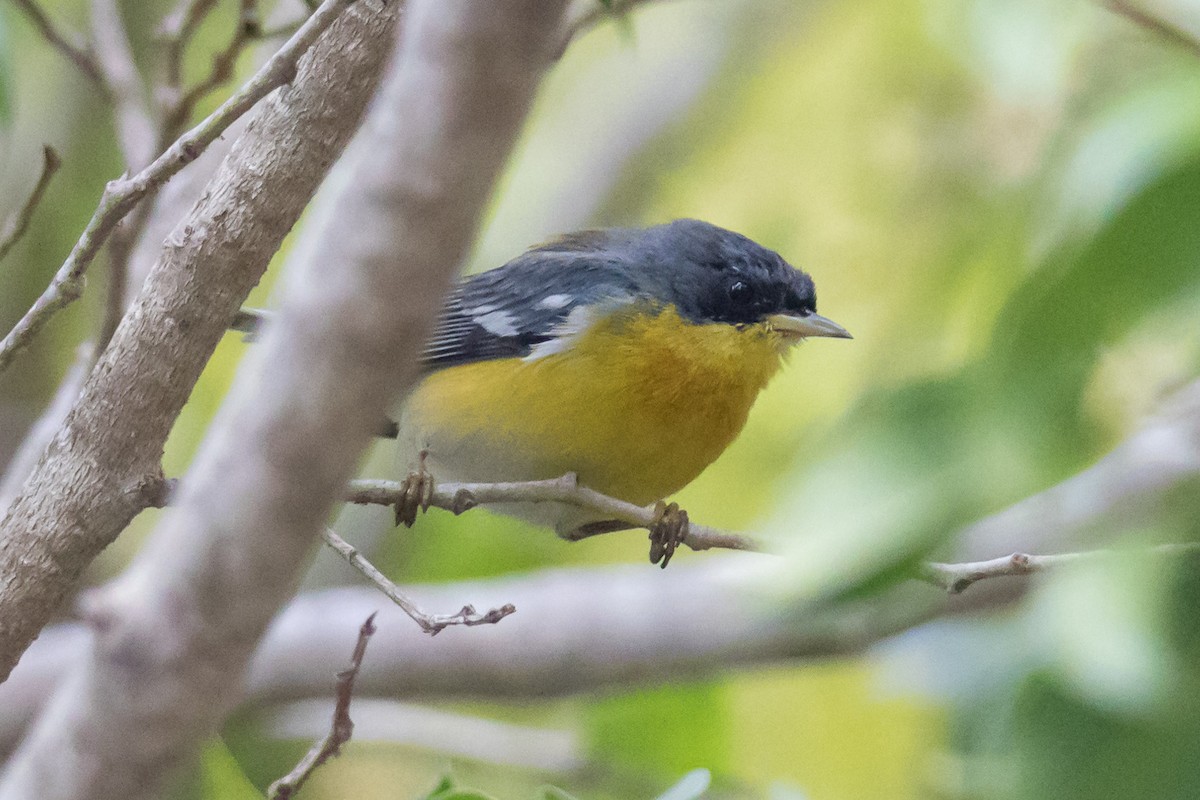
x: 630, y: 357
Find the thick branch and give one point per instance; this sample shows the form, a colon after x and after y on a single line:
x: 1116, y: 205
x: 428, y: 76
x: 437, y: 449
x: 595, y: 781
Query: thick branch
x: 92, y: 479
x: 45, y: 428
x: 121, y: 195
x: 177, y: 630
x: 581, y: 629
x: 725, y: 611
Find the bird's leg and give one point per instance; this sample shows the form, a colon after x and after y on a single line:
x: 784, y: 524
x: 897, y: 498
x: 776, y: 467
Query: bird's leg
x: 416, y: 492
x: 669, y: 530
x: 589, y: 529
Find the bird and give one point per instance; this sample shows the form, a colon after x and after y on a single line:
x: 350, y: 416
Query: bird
x: 630, y: 357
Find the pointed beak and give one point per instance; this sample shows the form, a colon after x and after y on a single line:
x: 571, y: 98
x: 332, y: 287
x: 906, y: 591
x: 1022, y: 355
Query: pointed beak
x: 798, y: 327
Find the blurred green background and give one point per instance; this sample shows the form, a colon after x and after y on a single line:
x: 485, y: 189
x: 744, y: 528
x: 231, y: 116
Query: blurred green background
x: 1001, y: 200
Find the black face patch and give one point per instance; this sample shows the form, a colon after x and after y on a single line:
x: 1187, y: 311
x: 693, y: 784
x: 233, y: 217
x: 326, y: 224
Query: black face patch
x: 717, y: 275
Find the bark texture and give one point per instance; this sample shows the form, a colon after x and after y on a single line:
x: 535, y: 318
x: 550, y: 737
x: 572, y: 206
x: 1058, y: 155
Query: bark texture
x: 175, y: 633
x: 89, y: 483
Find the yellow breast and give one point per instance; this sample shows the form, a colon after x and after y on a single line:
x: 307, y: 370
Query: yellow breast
x: 638, y: 405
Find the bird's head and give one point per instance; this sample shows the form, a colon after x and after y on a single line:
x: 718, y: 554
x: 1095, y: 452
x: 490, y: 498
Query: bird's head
x: 712, y: 275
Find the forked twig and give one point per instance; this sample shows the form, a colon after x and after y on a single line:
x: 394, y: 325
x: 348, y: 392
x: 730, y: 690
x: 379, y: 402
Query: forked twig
x: 123, y: 194
x: 430, y: 623
x: 340, y: 731
x: 76, y: 52
x: 15, y: 226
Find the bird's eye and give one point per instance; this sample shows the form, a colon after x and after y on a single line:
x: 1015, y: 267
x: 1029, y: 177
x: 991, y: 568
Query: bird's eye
x: 740, y: 293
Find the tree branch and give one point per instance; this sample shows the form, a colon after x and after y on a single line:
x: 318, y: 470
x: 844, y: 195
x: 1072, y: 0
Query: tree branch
x: 692, y: 621
x: 123, y: 194
x: 15, y: 226
x: 135, y: 122
x: 177, y: 31
x: 91, y: 480
x: 46, y: 427
x: 1155, y: 23
x: 430, y: 623
x: 459, y: 497
x: 75, y: 52
x: 177, y: 629
x: 957, y: 578
x: 247, y: 28
x: 451, y: 734
x: 726, y: 610
x: 120, y: 250
x: 341, y: 729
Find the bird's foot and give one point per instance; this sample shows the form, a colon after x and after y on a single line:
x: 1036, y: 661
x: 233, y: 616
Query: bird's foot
x: 669, y: 530
x: 416, y: 493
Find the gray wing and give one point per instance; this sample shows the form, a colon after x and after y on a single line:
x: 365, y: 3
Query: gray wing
x: 506, y: 312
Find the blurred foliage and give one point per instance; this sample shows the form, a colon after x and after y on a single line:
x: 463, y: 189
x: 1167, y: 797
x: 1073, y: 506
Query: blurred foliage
x: 5, y: 71
x: 997, y: 197
x: 221, y: 776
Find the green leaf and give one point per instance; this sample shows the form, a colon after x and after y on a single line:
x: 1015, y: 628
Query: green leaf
x: 447, y: 790
x: 555, y: 793
x: 221, y: 777
x: 444, y: 785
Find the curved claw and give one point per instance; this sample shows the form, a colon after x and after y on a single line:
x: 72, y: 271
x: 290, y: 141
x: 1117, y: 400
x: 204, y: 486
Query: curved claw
x: 416, y: 493
x: 670, y: 529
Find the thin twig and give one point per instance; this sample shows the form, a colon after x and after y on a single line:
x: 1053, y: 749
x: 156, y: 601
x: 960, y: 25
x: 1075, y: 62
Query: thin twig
x: 1155, y: 24
x: 120, y: 250
x: 340, y: 731
x: 75, y: 51
x: 247, y: 29
x: 177, y: 30
x: 135, y: 122
x: 122, y: 195
x: 430, y: 623
x: 459, y: 497
x: 957, y: 578
x: 15, y: 226
x: 139, y: 141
